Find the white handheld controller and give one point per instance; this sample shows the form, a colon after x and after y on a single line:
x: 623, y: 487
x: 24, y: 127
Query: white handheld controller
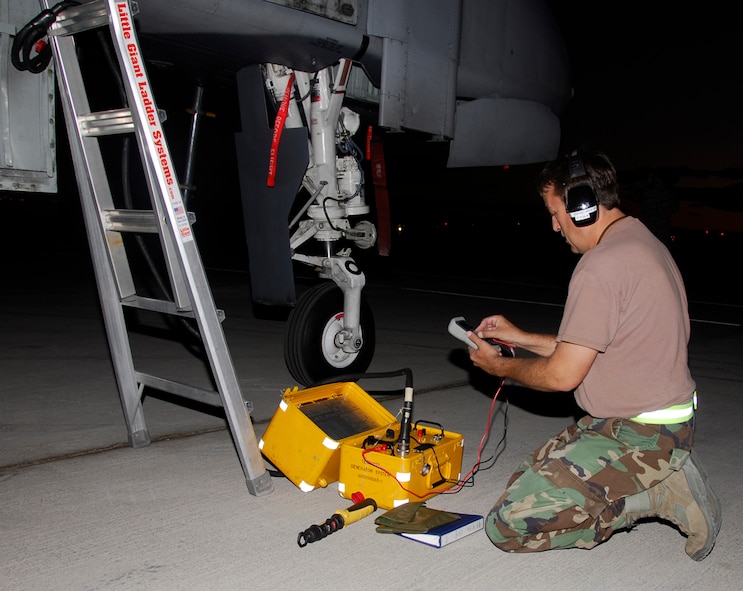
x: 458, y: 328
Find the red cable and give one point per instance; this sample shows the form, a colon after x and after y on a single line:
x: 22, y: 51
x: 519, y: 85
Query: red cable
x: 462, y: 481
x: 487, y: 427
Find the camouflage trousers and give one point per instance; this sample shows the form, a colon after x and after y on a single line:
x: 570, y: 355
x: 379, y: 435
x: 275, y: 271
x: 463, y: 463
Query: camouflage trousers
x: 570, y: 492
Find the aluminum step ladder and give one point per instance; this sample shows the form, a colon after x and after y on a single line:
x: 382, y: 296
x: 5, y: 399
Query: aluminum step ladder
x: 106, y: 225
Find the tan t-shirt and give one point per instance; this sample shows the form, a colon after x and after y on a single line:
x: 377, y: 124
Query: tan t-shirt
x: 627, y: 300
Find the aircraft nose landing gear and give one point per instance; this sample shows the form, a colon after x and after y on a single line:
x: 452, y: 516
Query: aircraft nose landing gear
x: 330, y: 331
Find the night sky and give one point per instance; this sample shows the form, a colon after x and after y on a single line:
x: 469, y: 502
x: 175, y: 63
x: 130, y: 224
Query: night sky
x: 657, y: 84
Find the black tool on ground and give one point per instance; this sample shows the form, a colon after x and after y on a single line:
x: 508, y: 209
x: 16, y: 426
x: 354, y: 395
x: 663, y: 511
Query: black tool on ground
x: 338, y: 520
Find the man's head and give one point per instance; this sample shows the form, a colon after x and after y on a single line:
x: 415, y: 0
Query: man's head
x: 570, y: 186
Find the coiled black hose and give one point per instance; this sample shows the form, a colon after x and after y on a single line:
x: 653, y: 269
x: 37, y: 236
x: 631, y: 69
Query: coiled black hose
x: 27, y: 40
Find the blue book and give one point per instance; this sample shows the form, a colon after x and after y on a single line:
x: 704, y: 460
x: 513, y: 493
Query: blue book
x: 449, y: 532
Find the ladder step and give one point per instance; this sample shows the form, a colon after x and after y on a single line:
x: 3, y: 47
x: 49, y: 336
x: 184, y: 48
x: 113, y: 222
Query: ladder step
x: 90, y: 15
x: 135, y: 220
x: 131, y: 220
x: 156, y: 305
x: 163, y: 306
x: 203, y: 395
x: 106, y: 123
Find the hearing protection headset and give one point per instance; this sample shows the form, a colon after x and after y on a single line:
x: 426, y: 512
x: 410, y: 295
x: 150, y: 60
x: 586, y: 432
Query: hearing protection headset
x: 581, y: 202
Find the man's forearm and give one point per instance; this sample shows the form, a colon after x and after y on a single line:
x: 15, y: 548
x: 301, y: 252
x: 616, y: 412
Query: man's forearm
x: 561, y: 371
x: 539, y: 344
x: 532, y: 372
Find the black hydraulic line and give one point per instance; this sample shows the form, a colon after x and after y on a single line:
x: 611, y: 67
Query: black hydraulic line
x: 353, y: 377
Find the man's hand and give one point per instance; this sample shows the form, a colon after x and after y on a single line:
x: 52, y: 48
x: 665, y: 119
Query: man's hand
x: 499, y: 327
x: 486, y: 356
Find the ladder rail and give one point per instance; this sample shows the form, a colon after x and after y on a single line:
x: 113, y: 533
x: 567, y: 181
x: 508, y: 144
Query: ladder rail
x: 93, y: 197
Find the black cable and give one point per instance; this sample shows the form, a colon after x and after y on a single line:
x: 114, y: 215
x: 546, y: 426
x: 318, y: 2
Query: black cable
x: 327, y: 215
x: 496, y: 453
x: 354, y: 377
x: 27, y: 40
x: 479, y: 466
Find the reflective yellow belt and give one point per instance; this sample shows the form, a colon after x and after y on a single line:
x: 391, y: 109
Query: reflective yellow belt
x: 679, y: 413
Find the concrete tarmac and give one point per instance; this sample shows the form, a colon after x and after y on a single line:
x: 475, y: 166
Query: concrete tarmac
x: 80, y: 509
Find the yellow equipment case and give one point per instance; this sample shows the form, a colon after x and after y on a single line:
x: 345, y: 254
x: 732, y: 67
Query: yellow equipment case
x: 337, y: 432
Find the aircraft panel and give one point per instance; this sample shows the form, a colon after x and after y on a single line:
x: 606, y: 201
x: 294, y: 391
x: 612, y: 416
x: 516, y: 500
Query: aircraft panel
x: 27, y: 135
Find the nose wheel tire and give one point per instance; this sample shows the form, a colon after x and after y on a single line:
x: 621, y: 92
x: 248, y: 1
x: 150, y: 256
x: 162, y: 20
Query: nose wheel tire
x: 311, y: 349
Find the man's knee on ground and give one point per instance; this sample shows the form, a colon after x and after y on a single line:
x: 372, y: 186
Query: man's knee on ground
x: 501, y: 533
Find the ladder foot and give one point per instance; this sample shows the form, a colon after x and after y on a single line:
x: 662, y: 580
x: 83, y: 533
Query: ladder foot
x: 260, y: 486
x: 140, y: 438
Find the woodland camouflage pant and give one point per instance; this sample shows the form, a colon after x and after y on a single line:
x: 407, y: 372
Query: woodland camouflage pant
x: 570, y: 492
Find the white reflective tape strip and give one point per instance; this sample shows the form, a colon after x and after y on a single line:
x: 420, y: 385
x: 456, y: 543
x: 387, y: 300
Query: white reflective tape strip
x: 341, y: 487
x: 304, y: 487
x: 261, y: 443
x: 403, y: 476
x: 330, y: 443
x: 283, y: 405
x: 400, y: 502
x: 668, y: 413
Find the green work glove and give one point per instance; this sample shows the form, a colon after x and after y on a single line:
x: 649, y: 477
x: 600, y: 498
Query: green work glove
x: 413, y: 518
